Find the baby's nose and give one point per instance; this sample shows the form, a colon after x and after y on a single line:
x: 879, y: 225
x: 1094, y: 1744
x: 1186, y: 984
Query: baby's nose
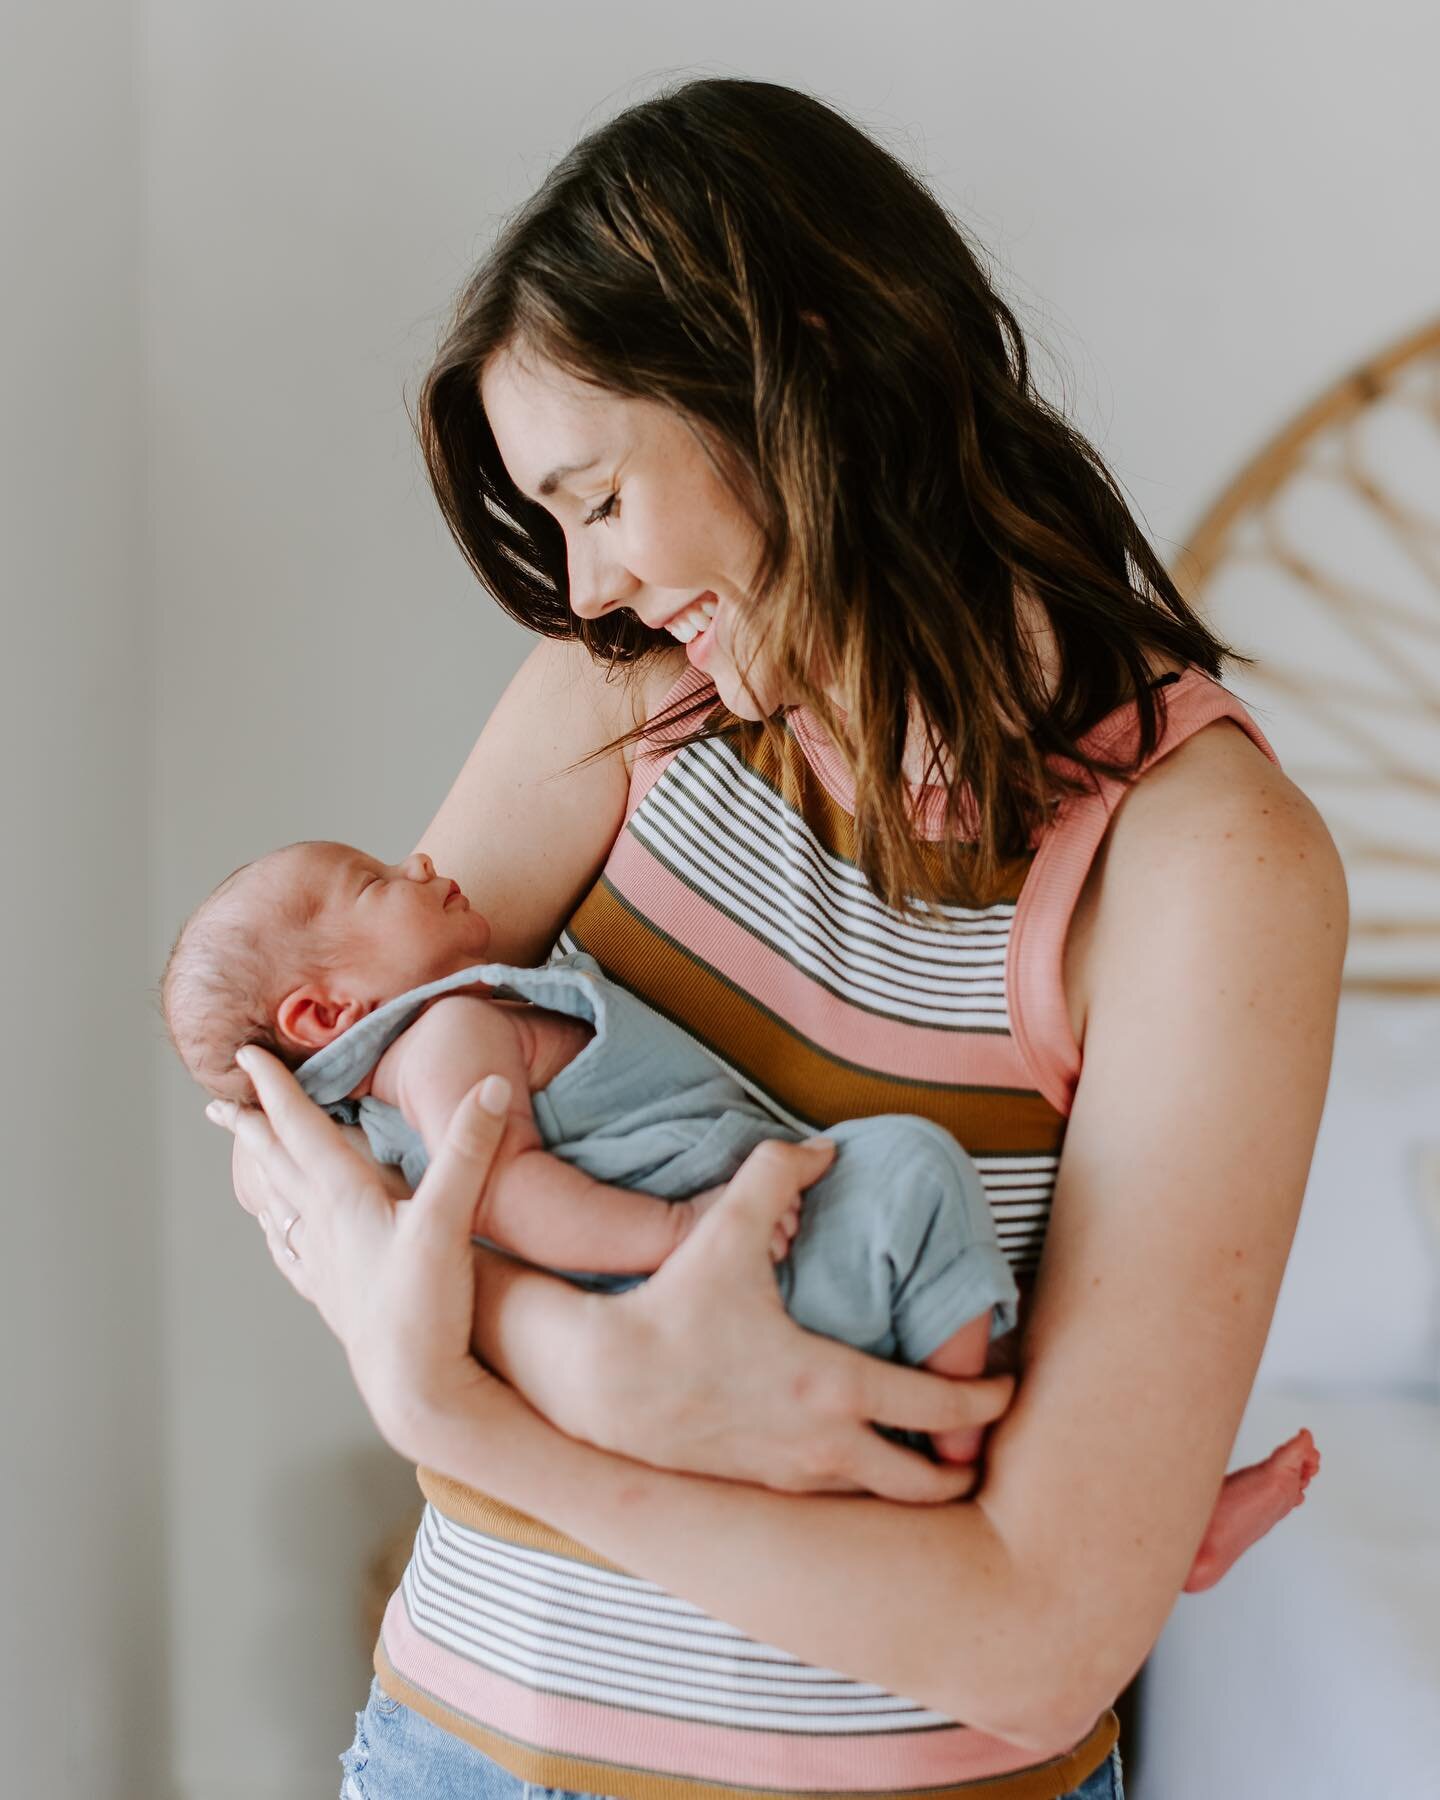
x: 420, y: 868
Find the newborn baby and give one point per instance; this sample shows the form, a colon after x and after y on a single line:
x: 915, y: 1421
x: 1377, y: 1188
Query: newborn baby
x: 367, y: 979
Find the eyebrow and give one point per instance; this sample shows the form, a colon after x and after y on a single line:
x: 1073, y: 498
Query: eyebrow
x: 556, y: 476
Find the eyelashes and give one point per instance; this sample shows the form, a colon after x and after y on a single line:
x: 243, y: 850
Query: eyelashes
x: 603, y: 511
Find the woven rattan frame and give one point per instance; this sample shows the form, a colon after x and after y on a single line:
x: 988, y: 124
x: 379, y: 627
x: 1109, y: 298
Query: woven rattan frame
x: 1394, y: 949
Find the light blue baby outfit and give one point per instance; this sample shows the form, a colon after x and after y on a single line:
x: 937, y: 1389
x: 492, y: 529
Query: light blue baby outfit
x: 896, y: 1248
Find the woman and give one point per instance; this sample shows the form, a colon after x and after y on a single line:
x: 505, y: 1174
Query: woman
x: 973, y: 832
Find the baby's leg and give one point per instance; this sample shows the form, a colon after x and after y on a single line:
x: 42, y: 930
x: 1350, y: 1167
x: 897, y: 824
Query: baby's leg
x: 963, y: 1353
x: 1251, y: 1502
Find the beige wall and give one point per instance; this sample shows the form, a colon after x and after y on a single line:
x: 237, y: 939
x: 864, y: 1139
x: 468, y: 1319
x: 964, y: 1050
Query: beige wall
x: 83, y: 1652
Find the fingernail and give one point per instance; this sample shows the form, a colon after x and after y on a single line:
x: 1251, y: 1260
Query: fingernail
x: 215, y: 1112
x: 243, y: 1058
x: 494, y: 1094
x: 822, y: 1143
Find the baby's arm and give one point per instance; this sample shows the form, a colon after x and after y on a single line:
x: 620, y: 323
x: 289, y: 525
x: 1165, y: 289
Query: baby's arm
x: 534, y: 1204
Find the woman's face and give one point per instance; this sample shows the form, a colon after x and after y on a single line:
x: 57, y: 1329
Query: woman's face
x: 649, y: 525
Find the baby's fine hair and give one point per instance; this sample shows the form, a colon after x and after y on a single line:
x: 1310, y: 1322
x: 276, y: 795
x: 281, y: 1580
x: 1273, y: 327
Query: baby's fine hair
x: 232, y: 961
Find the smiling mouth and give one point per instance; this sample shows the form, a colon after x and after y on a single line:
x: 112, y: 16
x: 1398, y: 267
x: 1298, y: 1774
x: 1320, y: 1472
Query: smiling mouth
x: 693, y: 620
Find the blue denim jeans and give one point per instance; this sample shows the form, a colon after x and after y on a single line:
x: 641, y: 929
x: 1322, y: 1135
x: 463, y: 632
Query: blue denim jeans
x: 399, y: 1755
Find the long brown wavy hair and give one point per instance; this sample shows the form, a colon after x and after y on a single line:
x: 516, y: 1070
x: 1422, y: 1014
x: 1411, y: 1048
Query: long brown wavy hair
x: 746, y: 255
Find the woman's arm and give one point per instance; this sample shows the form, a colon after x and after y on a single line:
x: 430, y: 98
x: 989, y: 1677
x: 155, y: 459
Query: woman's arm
x: 1215, y: 973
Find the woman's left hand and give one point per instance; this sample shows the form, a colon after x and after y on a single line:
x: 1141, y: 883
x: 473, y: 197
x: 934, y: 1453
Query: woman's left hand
x: 393, y: 1279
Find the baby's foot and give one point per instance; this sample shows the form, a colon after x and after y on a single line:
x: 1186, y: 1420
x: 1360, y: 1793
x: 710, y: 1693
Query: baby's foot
x: 1299, y: 1461
x: 1251, y: 1502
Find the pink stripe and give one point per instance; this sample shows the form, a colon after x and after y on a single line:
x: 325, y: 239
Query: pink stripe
x: 634, y: 1740
x: 890, y: 1047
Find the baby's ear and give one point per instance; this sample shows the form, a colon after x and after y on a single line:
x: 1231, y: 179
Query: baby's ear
x: 309, y: 1017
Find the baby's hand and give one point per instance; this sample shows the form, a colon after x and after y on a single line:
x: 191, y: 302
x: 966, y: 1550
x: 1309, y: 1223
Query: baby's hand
x: 698, y: 1205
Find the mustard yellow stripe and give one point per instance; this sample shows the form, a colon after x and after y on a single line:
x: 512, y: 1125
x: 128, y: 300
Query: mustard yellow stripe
x: 807, y: 1081
x: 467, y: 1506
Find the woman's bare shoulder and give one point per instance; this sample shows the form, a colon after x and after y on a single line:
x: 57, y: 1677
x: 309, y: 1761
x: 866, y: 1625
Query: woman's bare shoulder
x: 653, y: 680
x: 618, y: 697
x: 1208, y: 826
x: 1219, y: 794
x: 1217, y: 869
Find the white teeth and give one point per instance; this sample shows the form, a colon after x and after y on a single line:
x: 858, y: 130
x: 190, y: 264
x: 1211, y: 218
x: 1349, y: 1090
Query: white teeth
x: 692, y: 621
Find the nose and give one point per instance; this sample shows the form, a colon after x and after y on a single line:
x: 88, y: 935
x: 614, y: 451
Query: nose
x: 588, y: 603
x: 598, y: 584
x: 418, y: 867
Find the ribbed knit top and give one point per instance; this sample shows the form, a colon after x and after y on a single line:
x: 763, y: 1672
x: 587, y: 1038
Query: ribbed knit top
x: 731, y: 903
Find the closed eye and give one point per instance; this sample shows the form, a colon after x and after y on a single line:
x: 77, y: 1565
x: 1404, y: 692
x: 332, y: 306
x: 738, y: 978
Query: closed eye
x: 603, y: 511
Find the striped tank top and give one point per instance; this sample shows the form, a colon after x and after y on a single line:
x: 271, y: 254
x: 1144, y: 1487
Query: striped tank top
x: 731, y: 903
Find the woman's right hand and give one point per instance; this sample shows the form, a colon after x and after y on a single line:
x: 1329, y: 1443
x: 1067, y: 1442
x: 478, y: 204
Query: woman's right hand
x: 253, y: 1190
x: 702, y: 1370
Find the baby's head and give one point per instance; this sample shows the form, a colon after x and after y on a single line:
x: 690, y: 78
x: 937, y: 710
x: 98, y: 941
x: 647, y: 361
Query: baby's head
x: 291, y: 950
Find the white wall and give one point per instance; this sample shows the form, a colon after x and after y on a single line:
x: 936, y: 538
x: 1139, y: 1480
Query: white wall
x: 83, y: 1659
x: 1206, y: 212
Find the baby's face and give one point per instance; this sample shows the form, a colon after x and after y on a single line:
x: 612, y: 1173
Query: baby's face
x: 396, y: 925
